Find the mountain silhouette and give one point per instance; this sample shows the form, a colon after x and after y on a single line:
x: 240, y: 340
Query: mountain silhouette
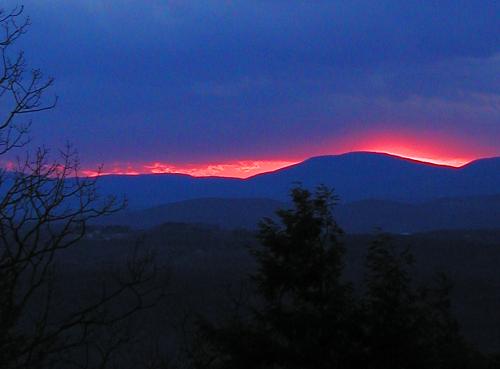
x: 225, y: 213
x: 482, y: 212
x: 355, y: 177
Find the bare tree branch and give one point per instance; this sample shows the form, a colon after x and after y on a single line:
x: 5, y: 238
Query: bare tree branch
x: 46, y: 207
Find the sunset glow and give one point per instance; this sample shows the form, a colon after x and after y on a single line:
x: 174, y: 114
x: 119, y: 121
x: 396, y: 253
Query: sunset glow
x: 408, y: 154
x: 245, y: 169
x: 237, y: 169
x: 429, y: 149
x: 435, y: 149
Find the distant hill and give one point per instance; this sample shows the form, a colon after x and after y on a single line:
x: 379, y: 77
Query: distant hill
x: 355, y: 176
x: 465, y: 213
x: 482, y: 212
x: 225, y: 213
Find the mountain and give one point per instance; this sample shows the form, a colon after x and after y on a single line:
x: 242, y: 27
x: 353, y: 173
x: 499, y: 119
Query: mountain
x: 225, y: 213
x: 358, y: 217
x: 359, y: 176
x: 471, y: 213
x: 355, y: 177
x: 150, y: 190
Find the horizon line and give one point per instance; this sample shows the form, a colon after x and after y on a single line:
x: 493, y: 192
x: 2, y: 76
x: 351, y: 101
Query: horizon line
x: 246, y: 169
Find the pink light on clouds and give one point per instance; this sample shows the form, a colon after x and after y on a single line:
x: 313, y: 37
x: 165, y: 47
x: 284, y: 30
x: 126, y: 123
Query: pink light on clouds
x: 428, y: 147
x: 237, y: 169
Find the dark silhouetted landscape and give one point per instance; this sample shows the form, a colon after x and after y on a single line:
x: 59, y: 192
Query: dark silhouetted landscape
x: 249, y: 185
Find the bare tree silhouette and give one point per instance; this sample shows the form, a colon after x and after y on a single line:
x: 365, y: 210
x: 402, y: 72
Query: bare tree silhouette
x: 45, y: 207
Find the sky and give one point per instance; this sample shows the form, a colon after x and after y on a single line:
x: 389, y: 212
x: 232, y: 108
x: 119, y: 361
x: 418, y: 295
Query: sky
x: 234, y: 88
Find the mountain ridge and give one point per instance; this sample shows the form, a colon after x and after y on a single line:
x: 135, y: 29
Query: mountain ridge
x: 364, y: 216
x: 354, y: 176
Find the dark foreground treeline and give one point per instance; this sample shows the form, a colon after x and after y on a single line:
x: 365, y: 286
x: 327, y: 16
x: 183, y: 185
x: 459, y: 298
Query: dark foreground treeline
x: 302, y: 313
x: 299, y: 295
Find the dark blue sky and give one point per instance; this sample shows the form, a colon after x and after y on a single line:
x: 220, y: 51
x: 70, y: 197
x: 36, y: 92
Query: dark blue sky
x: 215, y: 81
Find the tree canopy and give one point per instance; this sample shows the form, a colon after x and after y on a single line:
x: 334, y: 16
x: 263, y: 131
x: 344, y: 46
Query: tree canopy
x: 305, y: 314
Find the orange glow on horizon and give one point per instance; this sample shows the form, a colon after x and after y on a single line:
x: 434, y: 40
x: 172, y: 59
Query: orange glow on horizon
x: 449, y: 162
x: 245, y: 169
x: 428, y: 149
x: 431, y: 149
x: 238, y: 169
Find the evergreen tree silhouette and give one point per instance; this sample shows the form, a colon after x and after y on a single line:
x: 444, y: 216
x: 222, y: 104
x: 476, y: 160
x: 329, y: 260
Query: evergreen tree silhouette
x: 306, y: 315
x: 305, y: 312
x: 408, y: 326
